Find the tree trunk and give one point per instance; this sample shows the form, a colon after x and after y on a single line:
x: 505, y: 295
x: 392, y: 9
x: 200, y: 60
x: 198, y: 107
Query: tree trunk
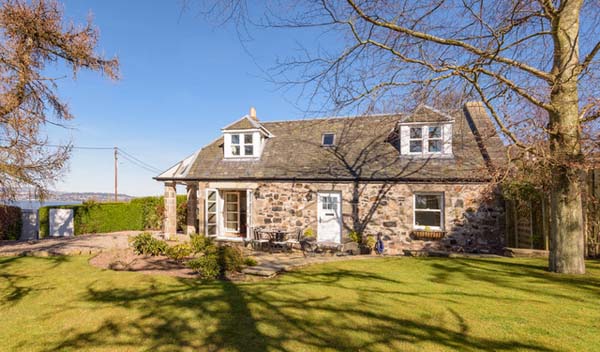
x: 566, y: 247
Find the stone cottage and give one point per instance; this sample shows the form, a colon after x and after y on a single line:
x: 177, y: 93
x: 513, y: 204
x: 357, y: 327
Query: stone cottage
x: 419, y: 180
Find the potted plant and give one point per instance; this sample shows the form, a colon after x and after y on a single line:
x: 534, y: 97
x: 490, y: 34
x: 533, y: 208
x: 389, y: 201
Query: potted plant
x: 365, y: 243
x: 309, y: 234
x: 428, y: 234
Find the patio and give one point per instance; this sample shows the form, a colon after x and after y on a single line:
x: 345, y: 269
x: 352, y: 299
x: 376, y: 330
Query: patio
x: 271, y: 264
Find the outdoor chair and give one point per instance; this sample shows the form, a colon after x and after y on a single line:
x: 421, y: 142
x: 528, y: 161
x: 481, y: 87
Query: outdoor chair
x: 258, y: 240
x: 294, y: 239
x: 279, y: 241
x: 308, y: 245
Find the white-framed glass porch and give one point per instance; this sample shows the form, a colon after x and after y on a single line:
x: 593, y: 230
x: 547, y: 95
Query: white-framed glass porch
x: 228, y: 214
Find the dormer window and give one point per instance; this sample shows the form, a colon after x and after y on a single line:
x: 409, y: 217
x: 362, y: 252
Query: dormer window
x: 240, y: 144
x: 328, y: 139
x: 248, y: 144
x: 245, y: 138
x: 434, y: 139
x: 416, y: 140
x: 426, y: 139
x: 235, y: 145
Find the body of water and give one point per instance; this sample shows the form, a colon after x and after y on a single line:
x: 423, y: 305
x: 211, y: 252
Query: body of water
x: 34, y: 205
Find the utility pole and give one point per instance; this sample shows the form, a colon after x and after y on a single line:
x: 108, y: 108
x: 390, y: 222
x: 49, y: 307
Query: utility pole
x: 116, y: 173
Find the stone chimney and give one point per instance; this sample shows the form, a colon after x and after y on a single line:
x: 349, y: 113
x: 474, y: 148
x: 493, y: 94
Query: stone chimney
x: 253, y: 113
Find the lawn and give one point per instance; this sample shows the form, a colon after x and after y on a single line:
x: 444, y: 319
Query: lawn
x: 399, y: 304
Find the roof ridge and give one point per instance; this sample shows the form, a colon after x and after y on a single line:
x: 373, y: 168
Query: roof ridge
x: 323, y: 118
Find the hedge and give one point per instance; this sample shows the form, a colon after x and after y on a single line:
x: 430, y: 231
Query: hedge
x: 139, y: 214
x: 11, y: 222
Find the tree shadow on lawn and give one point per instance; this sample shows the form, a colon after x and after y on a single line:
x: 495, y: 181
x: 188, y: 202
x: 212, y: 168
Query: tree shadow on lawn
x: 302, y: 310
x: 512, y: 275
x: 18, y: 286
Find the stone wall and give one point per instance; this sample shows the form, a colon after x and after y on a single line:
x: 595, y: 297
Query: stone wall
x: 470, y: 221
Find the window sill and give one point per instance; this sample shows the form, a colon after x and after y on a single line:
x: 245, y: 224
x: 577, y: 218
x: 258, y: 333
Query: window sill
x: 241, y: 158
x: 427, y: 156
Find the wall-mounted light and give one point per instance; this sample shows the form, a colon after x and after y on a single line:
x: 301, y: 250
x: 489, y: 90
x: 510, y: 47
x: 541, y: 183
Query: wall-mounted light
x: 309, y: 196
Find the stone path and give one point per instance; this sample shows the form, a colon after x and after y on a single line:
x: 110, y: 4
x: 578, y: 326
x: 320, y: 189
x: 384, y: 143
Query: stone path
x: 271, y: 264
x: 84, y: 244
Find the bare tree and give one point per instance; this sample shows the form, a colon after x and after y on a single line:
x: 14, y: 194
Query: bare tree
x: 34, y: 34
x: 532, y: 63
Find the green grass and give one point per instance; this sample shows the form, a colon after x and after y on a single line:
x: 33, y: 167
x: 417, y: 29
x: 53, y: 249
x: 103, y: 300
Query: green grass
x: 398, y: 304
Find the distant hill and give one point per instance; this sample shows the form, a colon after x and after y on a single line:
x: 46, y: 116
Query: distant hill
x: 26, y: 195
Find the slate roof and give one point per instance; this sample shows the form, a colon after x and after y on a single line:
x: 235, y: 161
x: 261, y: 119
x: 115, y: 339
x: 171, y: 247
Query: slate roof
x: 425, y: 113
x: 242, y: 124
x: 366, y: 149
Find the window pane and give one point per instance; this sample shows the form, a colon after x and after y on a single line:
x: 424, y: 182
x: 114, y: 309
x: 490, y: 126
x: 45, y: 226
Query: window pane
x: 235, y: 150
x: 416, y: 132
x: 428, y: 201
x: 232, y: 217
x: 427, y: 218
x: 416, y: 146
x: 212, y: 218
x: 435, y: 132
x: 248, y: 150
x: 212, y: 195
x: 232, y: 197
x: 247, y: 139
x: 435, y: 146
x: 232, y: 207
x: 212, y: 229
x: 328, y: 139
x: 212, y: 207
x: 231, y: 225
x: 235, y: 139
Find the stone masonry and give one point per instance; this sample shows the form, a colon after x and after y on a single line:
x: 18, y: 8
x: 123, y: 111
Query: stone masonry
x: 192, y: 208
x: 471, y: 219
x: 170, y: 224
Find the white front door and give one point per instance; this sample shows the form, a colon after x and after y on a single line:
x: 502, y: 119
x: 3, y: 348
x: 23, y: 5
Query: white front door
x: 330, y: 217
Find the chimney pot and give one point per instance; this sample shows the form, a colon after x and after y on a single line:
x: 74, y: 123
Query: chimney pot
x: 253, y: 113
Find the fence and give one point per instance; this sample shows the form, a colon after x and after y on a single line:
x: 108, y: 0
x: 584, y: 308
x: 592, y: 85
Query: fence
x: 528, y: 221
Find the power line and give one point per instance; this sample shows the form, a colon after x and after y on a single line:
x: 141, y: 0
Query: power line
x: 123, y: 152
x: 138, y: 164
x: 126, y: 155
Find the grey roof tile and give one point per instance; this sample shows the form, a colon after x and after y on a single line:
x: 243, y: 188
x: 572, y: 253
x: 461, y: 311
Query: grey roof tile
x: 365, y: 149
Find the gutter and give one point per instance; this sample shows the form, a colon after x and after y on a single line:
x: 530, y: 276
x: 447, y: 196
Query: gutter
x: 338, y: 179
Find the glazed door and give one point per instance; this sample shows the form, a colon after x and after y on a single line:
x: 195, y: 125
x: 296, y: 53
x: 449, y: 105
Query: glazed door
x: 330, y: 217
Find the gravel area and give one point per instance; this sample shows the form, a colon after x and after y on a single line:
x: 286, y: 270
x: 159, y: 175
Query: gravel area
x: 84, y: 244
x: 126, y: 260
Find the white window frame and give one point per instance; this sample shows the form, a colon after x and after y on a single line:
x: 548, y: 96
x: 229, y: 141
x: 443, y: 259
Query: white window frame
x: 425, y: 139
x: 207, y: 212
x: 441, y: 211
x: 255, y: 143
x: 238, y: 144
x: 440, y: 138
x: 410, y: 139
x: 226, y: 212
x: 323, y: 139
x: 244, y: 144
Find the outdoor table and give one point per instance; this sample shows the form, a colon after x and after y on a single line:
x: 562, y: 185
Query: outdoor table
x: 277, y: 239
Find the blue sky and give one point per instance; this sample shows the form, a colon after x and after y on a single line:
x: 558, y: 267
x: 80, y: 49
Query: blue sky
x: 182, y: 80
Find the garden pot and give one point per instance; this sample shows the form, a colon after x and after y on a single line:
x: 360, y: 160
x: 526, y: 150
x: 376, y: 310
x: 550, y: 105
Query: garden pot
x: 364, y: 249
x: 428, y: 235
